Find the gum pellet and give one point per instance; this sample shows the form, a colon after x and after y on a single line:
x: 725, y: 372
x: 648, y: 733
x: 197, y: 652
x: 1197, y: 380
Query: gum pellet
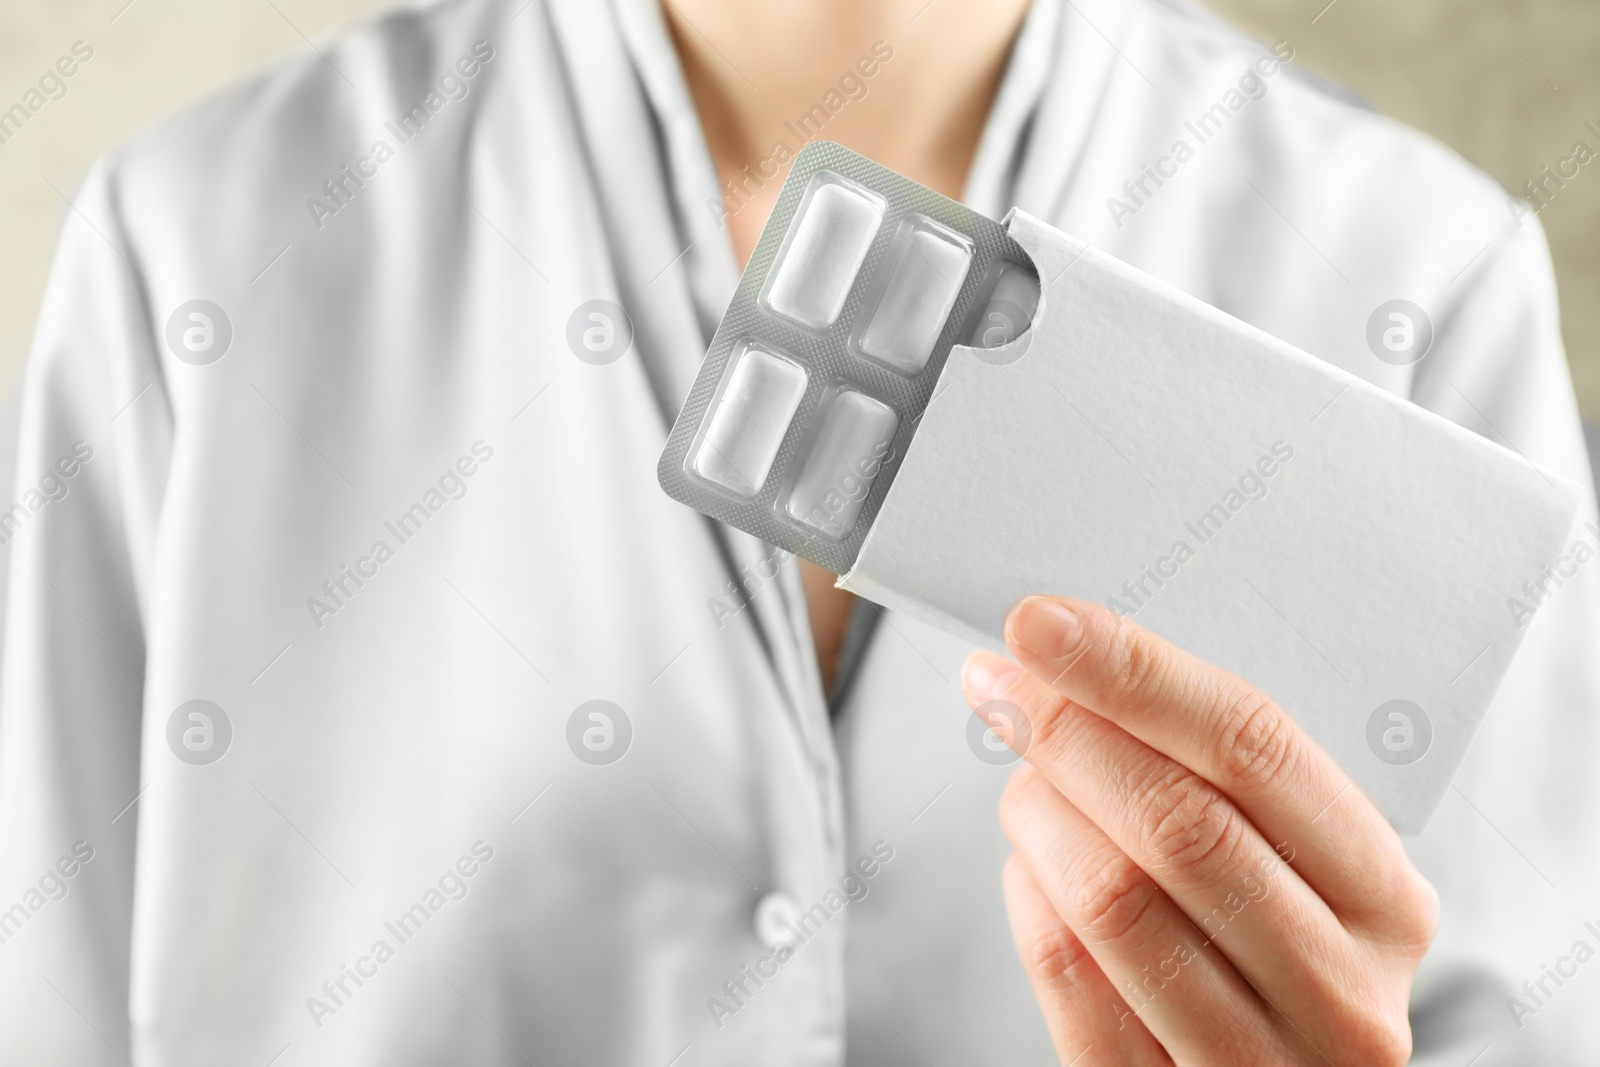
x: 748, y: 422
x: 838, y: 474
x: 828, y: 243
x: 916, y: 301
x: 1009, y: 312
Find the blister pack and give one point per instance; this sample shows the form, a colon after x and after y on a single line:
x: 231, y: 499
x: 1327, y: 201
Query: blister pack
x: 829, y: 352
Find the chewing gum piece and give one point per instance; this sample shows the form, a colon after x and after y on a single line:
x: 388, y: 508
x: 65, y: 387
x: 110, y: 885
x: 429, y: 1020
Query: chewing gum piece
x: 847, y: 456
x: 1008, y: 314
x: 826, y: 248
x: 748, y: 422
x: 922, y: 288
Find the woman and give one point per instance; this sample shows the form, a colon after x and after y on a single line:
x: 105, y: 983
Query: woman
x: 384, y: 711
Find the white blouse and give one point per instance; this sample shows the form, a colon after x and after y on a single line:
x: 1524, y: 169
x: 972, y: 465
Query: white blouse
x: 366, y: 701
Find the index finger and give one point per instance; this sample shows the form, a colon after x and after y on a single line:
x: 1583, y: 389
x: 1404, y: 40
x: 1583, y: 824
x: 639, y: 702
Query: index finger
x: 1221, y: 728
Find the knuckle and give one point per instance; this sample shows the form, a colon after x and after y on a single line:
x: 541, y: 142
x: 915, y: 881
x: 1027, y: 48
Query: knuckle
x: 1382, y: 1039
x: 1413, y: 918
x: 1424, y: 918
x: 1135, y: 666
x: 1051, y: 953
x: 1393, y: 1046
x: 1057, y: 958
x: 1257, y: 742
x: 1191, y: 830
x: 1113, y: 900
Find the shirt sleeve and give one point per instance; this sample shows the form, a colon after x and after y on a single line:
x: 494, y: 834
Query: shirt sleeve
x: 1513, y: 849
x: 93, y: 442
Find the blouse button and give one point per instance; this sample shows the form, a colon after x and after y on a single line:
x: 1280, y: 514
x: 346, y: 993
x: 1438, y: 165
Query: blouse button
x: 774, y: 920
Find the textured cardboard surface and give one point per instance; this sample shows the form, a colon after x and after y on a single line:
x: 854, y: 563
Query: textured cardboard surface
x: 1373, y: 564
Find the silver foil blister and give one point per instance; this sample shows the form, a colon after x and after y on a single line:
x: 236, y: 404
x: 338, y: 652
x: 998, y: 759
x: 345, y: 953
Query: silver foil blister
x: 831, y: 348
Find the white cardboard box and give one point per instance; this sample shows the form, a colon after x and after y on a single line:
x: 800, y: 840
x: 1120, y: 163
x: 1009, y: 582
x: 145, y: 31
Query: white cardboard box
x: 1118, y: 460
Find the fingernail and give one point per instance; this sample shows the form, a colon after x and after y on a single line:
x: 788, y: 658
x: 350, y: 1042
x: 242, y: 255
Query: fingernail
x: 987, y: 677
x: 1046, y: 628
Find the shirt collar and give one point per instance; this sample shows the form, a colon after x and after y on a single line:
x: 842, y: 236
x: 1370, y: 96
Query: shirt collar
x: 992, y: 180
x: 1049, y: 41
x: 696, y: 193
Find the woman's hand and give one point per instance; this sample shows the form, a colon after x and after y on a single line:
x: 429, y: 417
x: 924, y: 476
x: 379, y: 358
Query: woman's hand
x: 1195, y: 880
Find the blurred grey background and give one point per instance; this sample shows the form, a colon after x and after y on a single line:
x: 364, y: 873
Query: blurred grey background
x: 1508, y: 84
